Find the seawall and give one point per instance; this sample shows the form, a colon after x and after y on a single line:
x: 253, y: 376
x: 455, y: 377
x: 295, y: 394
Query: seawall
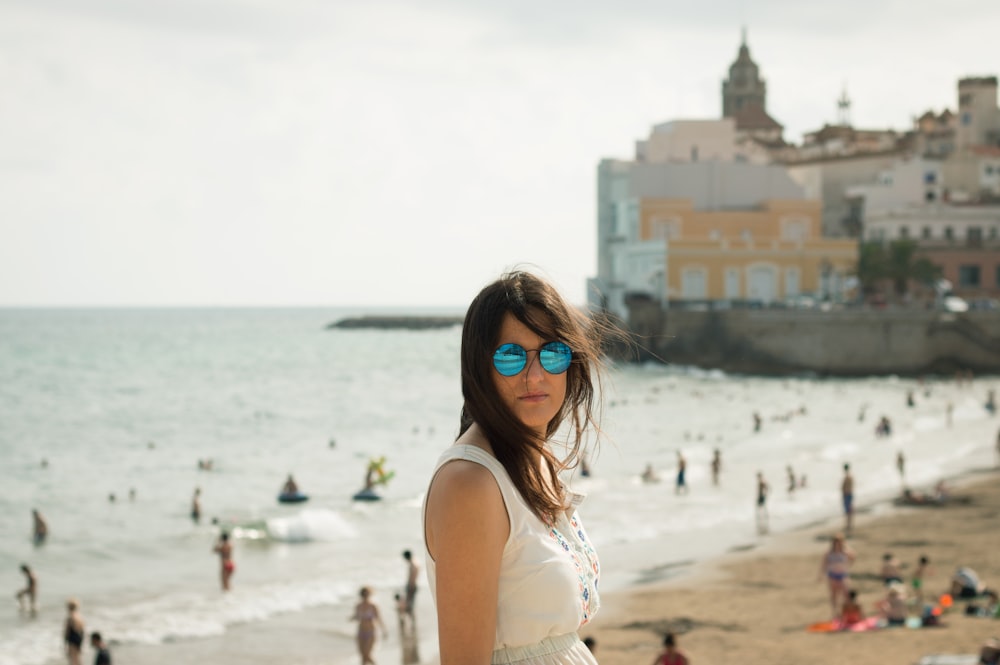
x: 848, y: 342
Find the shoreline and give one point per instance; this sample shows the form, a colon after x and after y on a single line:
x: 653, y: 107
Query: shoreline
x: 755, y: 603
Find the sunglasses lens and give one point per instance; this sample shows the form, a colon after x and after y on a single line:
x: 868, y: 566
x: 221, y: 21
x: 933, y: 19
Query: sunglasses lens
x: 555, y: 357
x: 510, y: 359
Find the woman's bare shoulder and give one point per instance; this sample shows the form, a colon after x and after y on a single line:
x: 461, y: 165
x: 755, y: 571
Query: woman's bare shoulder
x: 464, y: 478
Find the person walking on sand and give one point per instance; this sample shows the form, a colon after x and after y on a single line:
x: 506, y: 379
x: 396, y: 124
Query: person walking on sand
x: 40, y: 529
x: 921, y: 571
x: 901, y: 466
x: 30, y: 591
x: 412, y: 571
x: 847, y: 495
x: 224, y: 549
x: 73, y: 632
x: 716, y: 466
x: 367, y: 615
x: 102, y: 655
x: 671, y: 655
x: 835, y: 566
x: 681, y: 486
x: 792, y: 482
x: 761, y: 503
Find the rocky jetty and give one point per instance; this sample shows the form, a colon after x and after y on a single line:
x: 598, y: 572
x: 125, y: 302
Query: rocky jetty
x: 397, y: 322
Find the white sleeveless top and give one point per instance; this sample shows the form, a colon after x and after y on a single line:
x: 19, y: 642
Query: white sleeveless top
x: 548, y: 577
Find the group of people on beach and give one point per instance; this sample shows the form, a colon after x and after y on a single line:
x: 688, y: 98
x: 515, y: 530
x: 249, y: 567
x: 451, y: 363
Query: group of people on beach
x: 901, y: 603
x: 369, y: 618
x: 74, y: 633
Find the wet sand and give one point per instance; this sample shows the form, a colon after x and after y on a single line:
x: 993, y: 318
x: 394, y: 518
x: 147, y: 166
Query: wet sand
x: 753, y: 606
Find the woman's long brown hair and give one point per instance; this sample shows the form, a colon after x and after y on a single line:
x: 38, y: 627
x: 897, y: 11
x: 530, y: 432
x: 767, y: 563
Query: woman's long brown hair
x: 537, y: 305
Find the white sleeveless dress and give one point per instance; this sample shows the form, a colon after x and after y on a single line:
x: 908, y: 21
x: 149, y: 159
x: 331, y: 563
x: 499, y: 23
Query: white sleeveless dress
x: 548, y: 578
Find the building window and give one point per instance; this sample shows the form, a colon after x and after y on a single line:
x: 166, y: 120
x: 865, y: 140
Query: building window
x: 904, y: 232
x: 968, y: 275
x: 791, y: 282
x: 665, y: 228
x: 949, y: 234
x: 732, y: 283
x: 998, y: 276
x: 694, y: 283
x: 974, y: 236
x: 989, y: 169
x: 930, y: 177
x: 993, y: 233
x: 925, y: 233
x: 795, y: 229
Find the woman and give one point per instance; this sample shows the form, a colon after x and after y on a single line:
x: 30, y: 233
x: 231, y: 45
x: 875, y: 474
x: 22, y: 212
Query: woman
x: 834, y: 566
x: 73, y: 632
x: 224, y: 549
x: 513, y: 573
x: 366, y: 614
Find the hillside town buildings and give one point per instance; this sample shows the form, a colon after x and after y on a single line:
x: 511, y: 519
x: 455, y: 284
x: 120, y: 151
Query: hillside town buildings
x: 726, y: 211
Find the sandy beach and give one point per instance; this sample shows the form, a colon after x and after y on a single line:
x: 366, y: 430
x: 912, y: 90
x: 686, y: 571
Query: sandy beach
x: 753, y: 606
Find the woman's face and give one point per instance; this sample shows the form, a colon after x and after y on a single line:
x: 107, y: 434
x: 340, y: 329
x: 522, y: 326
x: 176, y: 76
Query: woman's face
x: 533, y: 395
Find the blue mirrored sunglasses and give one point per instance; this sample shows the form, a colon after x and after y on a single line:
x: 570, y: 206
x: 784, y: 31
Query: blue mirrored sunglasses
x: 511, y: 359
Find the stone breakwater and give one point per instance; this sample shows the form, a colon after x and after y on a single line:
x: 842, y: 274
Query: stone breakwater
x: 849, y: 342
x: 396, y: 322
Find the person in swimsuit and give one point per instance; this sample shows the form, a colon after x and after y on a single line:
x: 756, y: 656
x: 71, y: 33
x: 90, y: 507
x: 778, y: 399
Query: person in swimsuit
x: 834, y: 567
x: 30, y: 591
x: 847, y: 493
x: 367, y: 616
x: 922, y: 570
x: 102, y: 655
x: 762, y: 520
x: 40, y: 530
x: 224, y: 549
x: 851, y: 613
x: 513, y: 573
x: 196, y: 505
x: 716, y: 466
x: 891, y: 570
x: 73, y: 632
x: 412, y: 572
x: 681, y: 485
x: 671, y: 655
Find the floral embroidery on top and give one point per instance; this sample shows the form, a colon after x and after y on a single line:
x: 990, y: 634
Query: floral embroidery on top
x: 585, y: 563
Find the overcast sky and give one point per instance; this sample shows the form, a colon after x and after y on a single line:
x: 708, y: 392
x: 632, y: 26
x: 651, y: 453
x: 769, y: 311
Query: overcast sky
x: 318, y: 152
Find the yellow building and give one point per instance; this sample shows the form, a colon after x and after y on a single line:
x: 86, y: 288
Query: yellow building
x: 772, y: 251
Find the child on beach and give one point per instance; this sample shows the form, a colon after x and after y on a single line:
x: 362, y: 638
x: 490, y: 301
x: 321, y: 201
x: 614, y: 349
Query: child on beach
x: 894, y: 607
x: 891, y: 573
x: 102, y: 656
x: 671, y: 655
x: 851, y: 613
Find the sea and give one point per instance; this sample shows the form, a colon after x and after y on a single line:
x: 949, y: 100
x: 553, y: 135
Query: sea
x: 106, y: 414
